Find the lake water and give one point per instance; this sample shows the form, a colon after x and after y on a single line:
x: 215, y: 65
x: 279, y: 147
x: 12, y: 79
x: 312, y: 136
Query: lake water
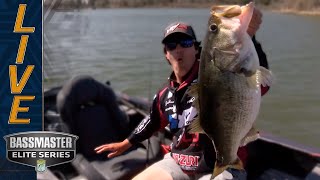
x: 124, y: 47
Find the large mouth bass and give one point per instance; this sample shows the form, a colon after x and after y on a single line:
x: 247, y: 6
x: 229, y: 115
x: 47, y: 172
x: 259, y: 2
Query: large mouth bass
x: 228, y: 91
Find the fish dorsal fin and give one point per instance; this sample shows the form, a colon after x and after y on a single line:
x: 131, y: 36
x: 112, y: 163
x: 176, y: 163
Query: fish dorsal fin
x: 195, y: 126
x: 193, y: 92
x: 252, y: 135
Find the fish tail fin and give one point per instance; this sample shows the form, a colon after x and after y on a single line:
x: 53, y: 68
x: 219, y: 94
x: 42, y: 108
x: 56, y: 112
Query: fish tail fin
x: 267, y: 78
x: 218, y: 169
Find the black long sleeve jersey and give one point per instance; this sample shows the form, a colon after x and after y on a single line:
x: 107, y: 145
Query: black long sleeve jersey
x: 173, y: 106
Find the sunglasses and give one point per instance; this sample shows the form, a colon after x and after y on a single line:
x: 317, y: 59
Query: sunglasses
x: 183, y: 43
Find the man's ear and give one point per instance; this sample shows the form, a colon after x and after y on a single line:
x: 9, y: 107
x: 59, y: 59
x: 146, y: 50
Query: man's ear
x: 199, y: 48
x: 168, y: 61
x: 165, y: 55
x: 167, y: 58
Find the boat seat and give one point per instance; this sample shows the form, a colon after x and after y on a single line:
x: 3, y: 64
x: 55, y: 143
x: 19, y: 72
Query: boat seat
x: 91, y: 111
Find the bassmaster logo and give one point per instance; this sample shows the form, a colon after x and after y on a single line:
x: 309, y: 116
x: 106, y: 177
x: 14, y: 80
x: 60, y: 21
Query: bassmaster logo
x: 41, y: 149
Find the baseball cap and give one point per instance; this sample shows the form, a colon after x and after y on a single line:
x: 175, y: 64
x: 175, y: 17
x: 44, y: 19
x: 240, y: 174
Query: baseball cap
x: 178, y: 27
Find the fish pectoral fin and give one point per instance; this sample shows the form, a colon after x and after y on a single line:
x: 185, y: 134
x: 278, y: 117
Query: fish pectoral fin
x: 195, y: 126
x: 218, y: 169
x: 254, y: 80
x: 267, y: 77
x: 252, y: 135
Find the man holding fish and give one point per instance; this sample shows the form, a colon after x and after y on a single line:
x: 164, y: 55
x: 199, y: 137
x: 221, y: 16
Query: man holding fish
x: 210, y: 102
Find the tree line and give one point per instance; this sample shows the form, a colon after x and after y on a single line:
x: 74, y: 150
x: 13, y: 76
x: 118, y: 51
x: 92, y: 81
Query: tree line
x: 299, y: 5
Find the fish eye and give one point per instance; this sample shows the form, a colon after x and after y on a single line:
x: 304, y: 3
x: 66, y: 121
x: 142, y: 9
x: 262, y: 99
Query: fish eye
x: 213, y: 28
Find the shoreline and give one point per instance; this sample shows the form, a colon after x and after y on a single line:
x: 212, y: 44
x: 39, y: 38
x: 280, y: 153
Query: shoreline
x: 303, y: 12
x: 313, y: 12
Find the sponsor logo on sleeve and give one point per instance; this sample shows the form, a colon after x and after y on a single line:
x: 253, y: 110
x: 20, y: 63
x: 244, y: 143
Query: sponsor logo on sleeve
x: 142, y: 125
